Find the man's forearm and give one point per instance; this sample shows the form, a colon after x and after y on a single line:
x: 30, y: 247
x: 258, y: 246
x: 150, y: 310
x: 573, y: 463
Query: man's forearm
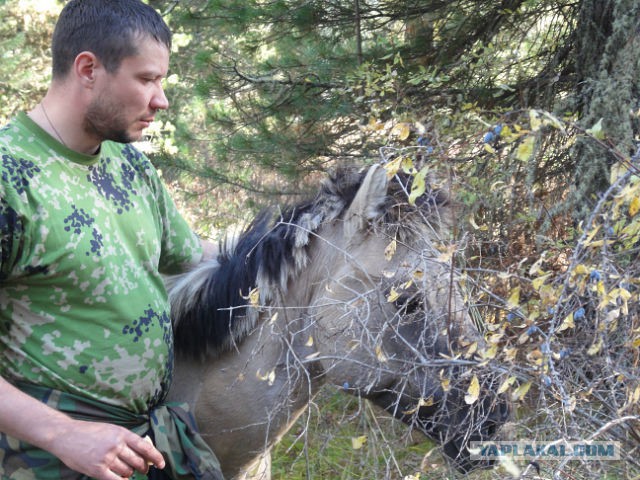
x: 28, y: 419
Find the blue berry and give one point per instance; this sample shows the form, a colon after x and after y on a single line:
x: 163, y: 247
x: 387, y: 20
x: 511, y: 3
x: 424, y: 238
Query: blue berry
x: 595, y: 275
x: 531, y: 330
x: 423, y: 141
x: 488, y: 137
x: 546, y: 380
x: 578, y: 314
x: 497, y: 129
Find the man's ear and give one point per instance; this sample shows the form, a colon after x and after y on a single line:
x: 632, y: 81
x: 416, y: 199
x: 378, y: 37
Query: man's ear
x: 85, y: 68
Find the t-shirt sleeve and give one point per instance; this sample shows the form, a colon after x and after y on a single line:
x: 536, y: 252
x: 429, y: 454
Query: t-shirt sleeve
x: 11, y: 230
x: 181, y: 247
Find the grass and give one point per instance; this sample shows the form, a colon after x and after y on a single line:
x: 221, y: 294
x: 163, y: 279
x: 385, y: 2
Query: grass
x: 344, y: 438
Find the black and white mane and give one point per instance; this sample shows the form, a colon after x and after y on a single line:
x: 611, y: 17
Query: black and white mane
x: 210, y: 305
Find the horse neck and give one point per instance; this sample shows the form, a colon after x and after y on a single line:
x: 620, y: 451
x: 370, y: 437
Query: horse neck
x: 250, y: 396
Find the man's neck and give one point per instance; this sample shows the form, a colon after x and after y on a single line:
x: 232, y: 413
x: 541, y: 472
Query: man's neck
x: 64, y: 125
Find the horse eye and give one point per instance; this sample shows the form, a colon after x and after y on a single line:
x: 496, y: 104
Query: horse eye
x: 408, y: 303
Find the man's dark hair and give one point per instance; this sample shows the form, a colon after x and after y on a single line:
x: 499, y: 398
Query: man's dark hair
x: 107, y: 28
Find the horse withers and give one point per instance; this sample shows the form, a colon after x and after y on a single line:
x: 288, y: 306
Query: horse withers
x: 348, y: 289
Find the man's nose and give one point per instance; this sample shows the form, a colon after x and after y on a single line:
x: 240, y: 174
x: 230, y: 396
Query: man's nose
x: 159, y: 100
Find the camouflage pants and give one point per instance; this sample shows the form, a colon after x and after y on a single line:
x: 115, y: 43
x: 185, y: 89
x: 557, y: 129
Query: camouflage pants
x: 171, y: 426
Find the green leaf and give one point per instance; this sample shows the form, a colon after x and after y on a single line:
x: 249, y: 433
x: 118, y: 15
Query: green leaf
x: 418, y: 185
x: 597, y: 131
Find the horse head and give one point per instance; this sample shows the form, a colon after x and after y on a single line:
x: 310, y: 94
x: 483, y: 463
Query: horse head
x: 353, y: 283
x: 389, y: 322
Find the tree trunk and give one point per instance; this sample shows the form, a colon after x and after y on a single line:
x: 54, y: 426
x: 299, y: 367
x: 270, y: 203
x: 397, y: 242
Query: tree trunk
x: 608, y: 67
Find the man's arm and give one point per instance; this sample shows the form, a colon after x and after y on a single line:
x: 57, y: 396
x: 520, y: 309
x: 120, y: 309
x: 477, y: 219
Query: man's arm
x: 100, y: 450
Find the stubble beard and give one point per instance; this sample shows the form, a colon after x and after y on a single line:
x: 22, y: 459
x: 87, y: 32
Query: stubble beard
x: 105, y: 121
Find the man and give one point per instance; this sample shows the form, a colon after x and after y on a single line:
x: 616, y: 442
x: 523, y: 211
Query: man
x: 86, y: 228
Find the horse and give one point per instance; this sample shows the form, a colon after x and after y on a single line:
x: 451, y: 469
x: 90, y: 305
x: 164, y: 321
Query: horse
x: 349, y: 289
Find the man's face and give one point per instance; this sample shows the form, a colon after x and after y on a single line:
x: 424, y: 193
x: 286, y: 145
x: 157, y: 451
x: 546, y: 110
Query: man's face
x: 126, y: 101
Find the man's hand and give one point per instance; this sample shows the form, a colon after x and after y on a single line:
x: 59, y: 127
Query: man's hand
x: 100, y: 450
x: 104, y: 451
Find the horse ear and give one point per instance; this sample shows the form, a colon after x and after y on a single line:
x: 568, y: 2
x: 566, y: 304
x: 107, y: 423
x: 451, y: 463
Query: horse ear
x: 368, y: 201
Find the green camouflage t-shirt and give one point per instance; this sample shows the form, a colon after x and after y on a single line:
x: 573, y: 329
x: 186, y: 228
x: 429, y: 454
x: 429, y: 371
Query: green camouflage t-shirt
x: 83, y: 240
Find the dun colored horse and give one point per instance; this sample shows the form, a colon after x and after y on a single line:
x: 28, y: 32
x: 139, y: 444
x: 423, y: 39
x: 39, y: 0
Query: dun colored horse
x: 347, y: 289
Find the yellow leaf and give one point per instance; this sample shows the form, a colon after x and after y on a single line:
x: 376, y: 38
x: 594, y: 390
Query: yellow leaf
x: 473, y: 392
x: 401, y: 130
x: 375, y: 124
x: 567, y: 323
x: 253, y: 297
x: 536, y: 268
x: 445, y: 383
x: 595, y: 347
x: 506, y: 384
x: 535, y: 357
x: 421, y: 403
x: 591, y: 235
x: 407, y: 165
x: 269, y: 377
x: 358, y: 442
x: 489, y: 353
x: 510, y: 354
x: 634, y: 206
x: 418, y: 185
x: 510, y: 466
x: 415, y: 476
x: 514, y: 298
x: 471, y: 350
x: 380, y: 354
x: 309, y: 342
x: 570, y: 404
x: 475, y: 226
x: 521, y: 391
x: 581, y: 269
x: 538, y: 282
x: 617, y: 170
x: 407, y: 285
x: 390, y: 250
x: 636, y: 342
x: 553, y: 121
x: 426, y: 402
x: 525, y: 149
x: 489, y: 148
x: 636, y: 395
x: 534, y: 120
x: 447, y: 254
x: 393, y: 166
x: 393, y: 295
